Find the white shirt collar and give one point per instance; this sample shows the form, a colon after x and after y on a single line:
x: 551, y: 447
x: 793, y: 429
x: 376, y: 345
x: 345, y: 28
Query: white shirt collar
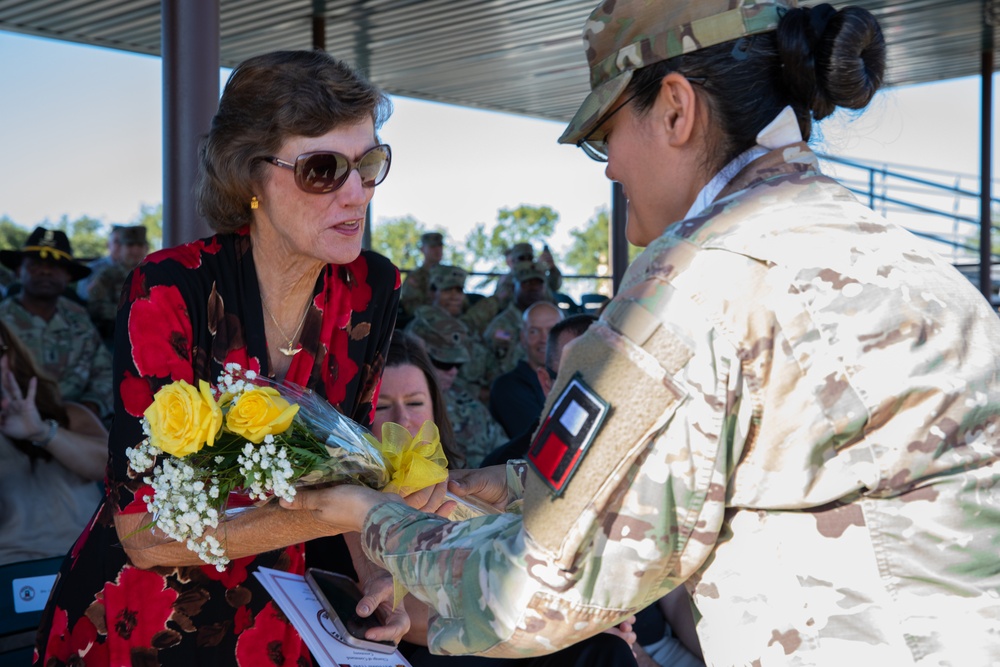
x: 782, y: 131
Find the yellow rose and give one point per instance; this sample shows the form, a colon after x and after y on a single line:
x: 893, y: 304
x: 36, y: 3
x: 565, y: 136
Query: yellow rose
x: 183, y: 419
x: 260, y: 412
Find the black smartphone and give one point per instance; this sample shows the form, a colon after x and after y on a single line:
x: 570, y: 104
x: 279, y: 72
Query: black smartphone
x: 340, y: 596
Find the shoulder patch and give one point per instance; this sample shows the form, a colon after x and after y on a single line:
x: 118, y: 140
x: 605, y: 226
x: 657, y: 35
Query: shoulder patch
x: 562, y: 441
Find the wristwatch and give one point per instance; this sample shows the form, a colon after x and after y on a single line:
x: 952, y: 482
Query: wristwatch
x: 51, y: 433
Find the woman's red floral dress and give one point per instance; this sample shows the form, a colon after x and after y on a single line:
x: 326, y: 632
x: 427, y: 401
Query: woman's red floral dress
x: 186, y: 312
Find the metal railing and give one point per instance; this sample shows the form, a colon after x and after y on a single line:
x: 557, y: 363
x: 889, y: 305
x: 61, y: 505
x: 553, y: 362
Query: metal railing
x: 940, y: 206
x: 937, y: 205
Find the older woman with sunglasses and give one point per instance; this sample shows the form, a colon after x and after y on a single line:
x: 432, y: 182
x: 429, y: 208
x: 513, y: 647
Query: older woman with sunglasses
x: 283, y: 288
x: 791, y: 406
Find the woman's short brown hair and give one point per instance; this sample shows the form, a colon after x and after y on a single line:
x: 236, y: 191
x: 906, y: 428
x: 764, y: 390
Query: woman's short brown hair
x: 268, y: 99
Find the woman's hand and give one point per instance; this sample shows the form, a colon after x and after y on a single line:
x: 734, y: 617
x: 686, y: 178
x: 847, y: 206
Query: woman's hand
x: 19, y: 418
x: 343, y: 507
x: 376, y: 585
x: 487, y: 484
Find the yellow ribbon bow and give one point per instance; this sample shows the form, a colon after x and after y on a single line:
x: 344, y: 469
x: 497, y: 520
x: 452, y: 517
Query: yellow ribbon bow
x: 413, y: 463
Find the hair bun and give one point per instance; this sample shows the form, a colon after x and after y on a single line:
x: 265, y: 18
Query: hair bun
x: 831, y: 58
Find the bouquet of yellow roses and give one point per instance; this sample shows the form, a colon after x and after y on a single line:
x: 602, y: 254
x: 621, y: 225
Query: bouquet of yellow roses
x: 250, y: 438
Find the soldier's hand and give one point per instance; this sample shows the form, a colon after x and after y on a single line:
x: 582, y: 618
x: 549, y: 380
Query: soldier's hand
x: 487, y: 484
x: 431, y: 499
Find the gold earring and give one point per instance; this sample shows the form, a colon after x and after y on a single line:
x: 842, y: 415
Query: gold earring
x: 254, y: 203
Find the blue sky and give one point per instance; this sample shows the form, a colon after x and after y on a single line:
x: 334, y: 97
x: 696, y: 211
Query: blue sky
x: 81, y: 134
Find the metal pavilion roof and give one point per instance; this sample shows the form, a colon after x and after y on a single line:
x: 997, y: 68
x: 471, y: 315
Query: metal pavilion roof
x: 515, y: 56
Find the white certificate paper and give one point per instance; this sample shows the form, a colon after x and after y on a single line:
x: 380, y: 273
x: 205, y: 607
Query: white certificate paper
x: 292, y: 594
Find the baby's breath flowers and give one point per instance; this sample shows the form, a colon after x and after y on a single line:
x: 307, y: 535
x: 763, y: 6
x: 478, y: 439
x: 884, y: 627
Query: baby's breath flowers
x: 204, y: 444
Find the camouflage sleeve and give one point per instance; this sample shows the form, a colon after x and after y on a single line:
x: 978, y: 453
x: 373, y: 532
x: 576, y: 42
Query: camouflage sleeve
x: 414, y: 292
x: 618, y: 508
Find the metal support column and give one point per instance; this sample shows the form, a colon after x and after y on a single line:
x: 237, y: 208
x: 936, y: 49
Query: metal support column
x: 190, y: 50
x: 319, y: 25
x: 990, y: 11
x: 616, y: 233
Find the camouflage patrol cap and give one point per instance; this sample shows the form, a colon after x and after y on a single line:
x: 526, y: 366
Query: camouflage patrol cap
x: 130, y: 234
x: 623, y: 36
x: 445, y: 338
x: 444, y: 276
x: 521, y: 250
x: 528, y: 270
x: 431, y: 239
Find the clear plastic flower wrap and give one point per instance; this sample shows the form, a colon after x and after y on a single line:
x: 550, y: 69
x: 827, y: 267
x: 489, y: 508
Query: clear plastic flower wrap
x: 212, y: 452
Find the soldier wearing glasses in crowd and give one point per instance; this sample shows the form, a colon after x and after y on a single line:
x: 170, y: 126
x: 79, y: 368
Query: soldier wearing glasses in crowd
x: 791, y: 406
x: 451, y: 352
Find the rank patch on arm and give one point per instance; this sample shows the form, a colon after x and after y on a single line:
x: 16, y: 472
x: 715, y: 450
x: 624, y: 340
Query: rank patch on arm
x: 562, y: 441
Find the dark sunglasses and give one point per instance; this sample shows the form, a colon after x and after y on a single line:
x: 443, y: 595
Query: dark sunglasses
x: 595, y: 144
x: 323, y: 172
x: 444, y: 365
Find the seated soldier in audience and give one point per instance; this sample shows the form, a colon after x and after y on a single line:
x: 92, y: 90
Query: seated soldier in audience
x: 446, y: 342
x: 447, y: 288
x: 523, y: 252
x: 503, y: 331
x: 52, y: 458
x: 560, y: 335
x: 516, y: 397
x: 127, y: 246
x: 57, y: 331
x: 415, y: 291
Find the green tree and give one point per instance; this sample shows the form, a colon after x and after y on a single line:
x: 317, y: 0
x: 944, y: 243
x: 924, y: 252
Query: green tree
x: 12, y: 235
x: 88, y: 236
x: 530, y: 224
x: 399, y: 240
x: 589, y: 251
x: 151, y: 217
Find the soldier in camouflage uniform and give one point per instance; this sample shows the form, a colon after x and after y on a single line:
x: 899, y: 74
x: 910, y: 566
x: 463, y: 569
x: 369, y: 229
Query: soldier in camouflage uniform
x: 504, y: 331
x: 523, y: 252
x: 57, y: 331
x: 415, y: 291
x: 791, y: 406
x: 126, y: 248
x: 446, y: 340
x: 447, y: 285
